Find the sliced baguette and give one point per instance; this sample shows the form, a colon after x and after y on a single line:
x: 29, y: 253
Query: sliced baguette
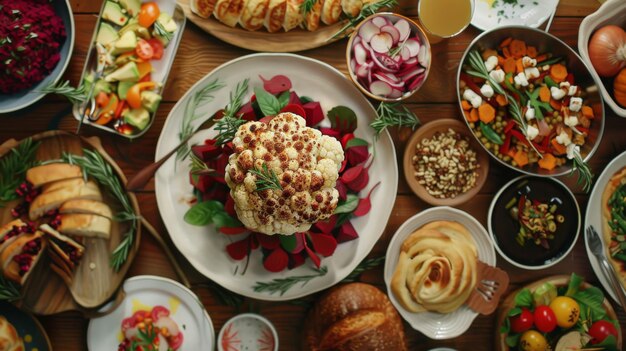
x: 11, y: 268
x: 62, y: 247
x: 85, y: 206
x: 52, y: 200
x: 7, y: 229
x: 52, y: 172
x: 86, y: 225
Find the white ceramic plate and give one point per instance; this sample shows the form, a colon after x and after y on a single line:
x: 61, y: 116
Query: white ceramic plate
x: 437, y: 325
x: 103, y: 334
x: 531, y: 13
x: 203, y: 246
x: 593, y: 216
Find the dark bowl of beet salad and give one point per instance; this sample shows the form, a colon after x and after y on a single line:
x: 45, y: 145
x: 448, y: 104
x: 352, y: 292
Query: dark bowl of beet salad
x: 36, y: 42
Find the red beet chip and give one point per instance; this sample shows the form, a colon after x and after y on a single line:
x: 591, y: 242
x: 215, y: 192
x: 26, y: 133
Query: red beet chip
x: 229, y: 206
x: 210, y: 141
x: 314, y: 113
x: 357, y: 154
x: 206, y: 152
x: 351, y: 174
x: 294, y: 98
x: 233, y: 230
x: 346, y: 233
x: 276, y: 261
x: 359, y: 183
x: 202, y: 182
x: 331, y: 132
x: 276, y: 84
x: 323, y: 244
x: 270, y: 242
x: 293, y: 108
x: 326, y: 226
x: 238, y: 250
x: 247, y: 112
x: 345, y: 138
x: 218, y: 192
x: 341, y: 188
x: 296, y: 260
x: 344, y: 163
x: 365, y: 204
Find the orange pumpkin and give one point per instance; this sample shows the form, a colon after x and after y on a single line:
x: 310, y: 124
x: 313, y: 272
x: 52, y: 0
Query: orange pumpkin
x: 619, y: 87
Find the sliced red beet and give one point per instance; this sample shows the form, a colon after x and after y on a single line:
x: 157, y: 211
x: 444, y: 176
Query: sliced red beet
x: 323, y: 244
x: 227, y: 148
x: 266, y: 119
x: 344, y: 163
x: 357, y: 154
x: 346, y: 232
x: 270, y: 242
x: 229, y: 206
x: 233, y: 230
x: 238, y: 250
x: 314, y: 113
x: 276, y: 261
x: 218, y: 192
x: 326, y: 226
x: 365, y: 204
x: 206, y: 152
x: 345, y: 138
x: 293, y: 108
x: 359, y: 183
x: 276, y: 84
x: 331, y: 132
x: 353, y: 173
x: 316, y: 260
x: 202, y: 182
x: 210, y: 141
x: 342, y: 189
x: 296, y: 260
x: 247, y: 112
x: 294, y: 98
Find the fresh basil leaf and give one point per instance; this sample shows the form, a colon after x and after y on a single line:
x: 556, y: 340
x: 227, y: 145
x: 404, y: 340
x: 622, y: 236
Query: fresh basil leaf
x: 268, y: 103
x: 305, y: 99
x: 574, y: 284
x: 512, y: 340
x: 524, y: 298
x: 342, y: 119
x: 222, y: 219
x: 348, y: 206
x: 356, y: 142
x: 201, y: 213
x: 591, y: 298
x: 288, y: 242
x: 506, y: 326
x: 514, y: 311
x: 283, y: 98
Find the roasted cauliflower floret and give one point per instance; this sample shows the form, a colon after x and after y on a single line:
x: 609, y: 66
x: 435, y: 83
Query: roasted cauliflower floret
x: 306, y: 166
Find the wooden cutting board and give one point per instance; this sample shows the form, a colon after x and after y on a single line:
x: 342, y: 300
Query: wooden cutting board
x: 94, y: 282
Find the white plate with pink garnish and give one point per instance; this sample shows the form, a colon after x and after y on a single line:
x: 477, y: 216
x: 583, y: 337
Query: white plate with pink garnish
x: 157, y: 312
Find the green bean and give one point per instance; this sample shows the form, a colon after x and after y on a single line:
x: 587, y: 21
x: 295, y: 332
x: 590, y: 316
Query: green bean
x: 490, y: 134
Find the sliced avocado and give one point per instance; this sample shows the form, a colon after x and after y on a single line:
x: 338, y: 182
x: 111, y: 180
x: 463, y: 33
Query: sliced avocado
x: 139, y: 30
x: 130, y: 25
x: 127, y: 42
x: 167, y: 22
x: 150, y: 100
x: 122, y: 89
x: 138, y: 117
x: 124, y: 59
x: 164, y: 28
x: 102, y: 85
x: 113, y: 13
x: 126, y: 73
x: 131, y: 6
x: 106, y: 34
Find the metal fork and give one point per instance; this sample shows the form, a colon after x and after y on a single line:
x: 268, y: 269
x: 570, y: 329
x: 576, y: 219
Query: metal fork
x: 596, y: 246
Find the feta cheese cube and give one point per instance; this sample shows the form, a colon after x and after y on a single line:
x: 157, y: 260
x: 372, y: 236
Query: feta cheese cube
x: 520, y: 79
x: 545, y: 67
x: 498, y: 75
x: 563, y: 139
x: 564, y: 85
x: 531, y: 72
x: 530, y: 113
x: 572, y: 149
x: 571, y: 121
x: 486, y: 90
x: 575, y: 104
x: 528, y: 61
x: 572, y: 90
x: 473, y: 98
x: 532, y: 132
x: 491, y: 63
x: 557, y: 93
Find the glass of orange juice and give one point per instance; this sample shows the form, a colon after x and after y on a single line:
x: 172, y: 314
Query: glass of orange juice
x: 445, y: 18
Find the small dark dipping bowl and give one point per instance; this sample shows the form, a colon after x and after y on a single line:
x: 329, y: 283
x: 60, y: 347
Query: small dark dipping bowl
x: 503, y: 227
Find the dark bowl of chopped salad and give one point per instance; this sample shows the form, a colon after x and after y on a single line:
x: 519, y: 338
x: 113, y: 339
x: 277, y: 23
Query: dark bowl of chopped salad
x: 534, y: 222
x: 531, y: 102
x: 36, y: 43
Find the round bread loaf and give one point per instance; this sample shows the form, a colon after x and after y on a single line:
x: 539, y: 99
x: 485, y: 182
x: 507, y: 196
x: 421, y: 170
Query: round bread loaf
x: 351, y: 317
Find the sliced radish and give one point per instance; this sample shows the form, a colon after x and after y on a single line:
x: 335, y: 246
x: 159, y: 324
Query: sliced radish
x: 392, y: 77
x: 404, y: 29
x: 368, y: 30
x: 380, y: 88
x: 405, y: 53
x: 380, y: 21
x: 393, y: 31
x: 382, y: 42
x: 391, y: 82
x: 396, y: 93
x: 416, y: 81
x: 412, y: 74
x: 360, y: 55
x: 357, y: 40
x: 353, y: 64
x: 414, y: 47
x: 377, y: 61
x: 411, y: 62
x: 361, y: 71
x: 422, y: 57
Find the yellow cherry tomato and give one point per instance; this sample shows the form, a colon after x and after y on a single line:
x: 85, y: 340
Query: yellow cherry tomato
x: 133, y: 96
x: 566, y: 311
x: 533, y: 340
x: 148, y: 14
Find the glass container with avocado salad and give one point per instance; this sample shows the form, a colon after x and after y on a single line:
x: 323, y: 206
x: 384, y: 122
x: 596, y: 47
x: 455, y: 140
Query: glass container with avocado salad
x: 136, y: 38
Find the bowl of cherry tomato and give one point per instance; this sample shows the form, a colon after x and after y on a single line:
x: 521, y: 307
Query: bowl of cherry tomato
x: 557, y: 313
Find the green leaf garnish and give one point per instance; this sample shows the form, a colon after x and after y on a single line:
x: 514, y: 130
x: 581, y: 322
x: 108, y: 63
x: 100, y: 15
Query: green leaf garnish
x: 268, y: 103
x: 13, y: 167
x: 266, y: 179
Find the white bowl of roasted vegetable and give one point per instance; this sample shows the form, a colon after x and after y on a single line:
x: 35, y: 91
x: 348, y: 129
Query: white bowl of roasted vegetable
x: 531, y: 102
x: 534, y: 222
x: 557, y: 313
x: 132, y: 51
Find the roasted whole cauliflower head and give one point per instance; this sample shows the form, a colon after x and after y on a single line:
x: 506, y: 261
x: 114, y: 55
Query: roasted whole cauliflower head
x: 306, y: 164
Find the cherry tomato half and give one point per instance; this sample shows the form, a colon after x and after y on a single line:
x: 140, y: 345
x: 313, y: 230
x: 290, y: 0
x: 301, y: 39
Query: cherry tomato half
x: 545, y: 320
x: 157, y: 48
x: 566, y: 311
x: 148, y: 14
x: 144, y: 50
x: 522, y: 322
x: 600, y: 330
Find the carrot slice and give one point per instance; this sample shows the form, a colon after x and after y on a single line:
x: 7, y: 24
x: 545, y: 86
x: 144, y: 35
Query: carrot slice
x: 587, y: 112
x: 466, y: 105
x: 509, y: 65
x: 558, y: 148
x: 544, y: 94
x: 501, y: 100
x: 486, y: 113
x: 517, y: 48
x: 506, y: 52
x: 521, y: 158
x: 506, y: 42
x: 558, y: 72
x: 489, y: 52
x: 555, y: 104
x: 473, y: 116
x: 519, y: 67
x: 531, y: 51
x: 547, y: 162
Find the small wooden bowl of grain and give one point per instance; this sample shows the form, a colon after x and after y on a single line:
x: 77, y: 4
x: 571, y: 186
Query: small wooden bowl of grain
x: 443, y: 164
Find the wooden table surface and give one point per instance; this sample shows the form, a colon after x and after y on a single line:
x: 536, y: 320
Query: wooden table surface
x: 198, y: 54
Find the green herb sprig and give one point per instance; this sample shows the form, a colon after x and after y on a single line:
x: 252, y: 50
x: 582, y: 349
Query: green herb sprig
x: 585, y: 176
x: 9, y: 291
x: 228, y: 125
x: 393, y: 114
x: 478, y: 69
x: 160, y: 31
x: 307, y: 6
x: 266, y: 179
x: 13, y: 167
x: 74, y: 95
x: 367, y: 10
x: 365, y: 265
x: 95, y: 166
x: 282, y: 285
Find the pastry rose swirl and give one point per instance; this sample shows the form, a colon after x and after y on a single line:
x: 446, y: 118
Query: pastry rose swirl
x: 436, y: 269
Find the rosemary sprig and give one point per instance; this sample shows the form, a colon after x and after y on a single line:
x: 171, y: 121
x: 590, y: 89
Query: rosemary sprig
x: 367, y: 10
x: 393, y: 114
x: 95, y: 166
x: 480, y: 70
x: 365, y: 265
x: 192, y: 113
x: 74, y: 95
x: 516, y: 112
x: 13, y: 167
x: 585, y: 176
x: 8, y: 290
x: 160, y: 31
x: 307, y: 6
x: 198, y: 166
x: 282, y: 285
x: 236, y: 98
x: 226, y: 128
x: 266, y: 179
